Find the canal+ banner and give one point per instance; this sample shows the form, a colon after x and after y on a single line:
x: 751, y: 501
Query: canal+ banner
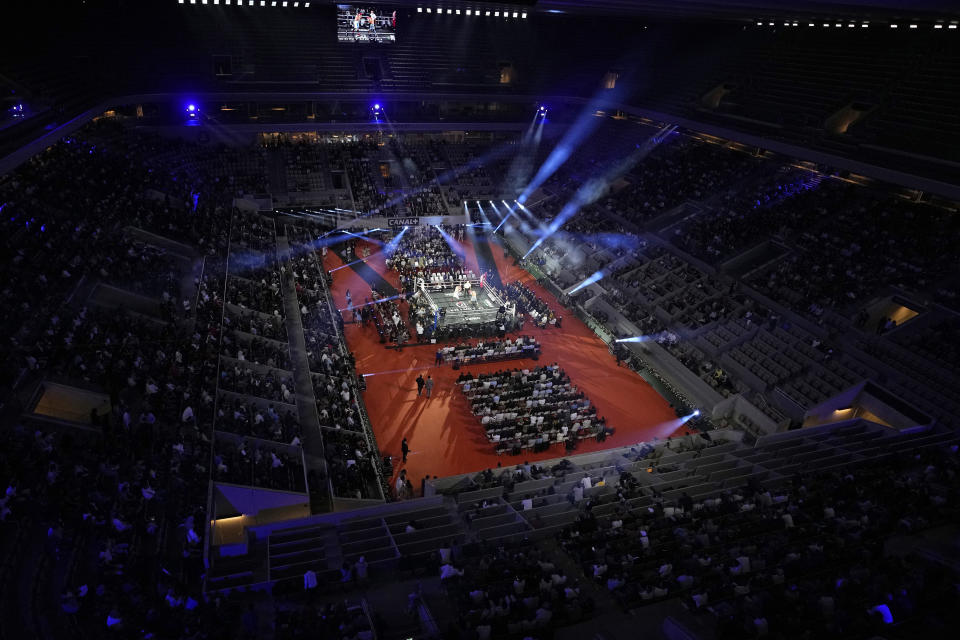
x: 403, y: 222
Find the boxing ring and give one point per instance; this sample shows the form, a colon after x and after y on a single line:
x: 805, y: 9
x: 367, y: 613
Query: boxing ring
x: 463, y: 302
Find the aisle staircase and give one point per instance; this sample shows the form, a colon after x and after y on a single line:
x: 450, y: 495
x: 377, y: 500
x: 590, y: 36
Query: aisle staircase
x: 313, y: 454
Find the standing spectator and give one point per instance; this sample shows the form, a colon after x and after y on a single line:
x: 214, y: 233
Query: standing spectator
x: 360, y: 570
x: 405, y: 448
x: 423, y: 485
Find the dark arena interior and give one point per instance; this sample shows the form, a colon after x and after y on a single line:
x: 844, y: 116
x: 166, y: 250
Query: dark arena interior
x: 533, y: 319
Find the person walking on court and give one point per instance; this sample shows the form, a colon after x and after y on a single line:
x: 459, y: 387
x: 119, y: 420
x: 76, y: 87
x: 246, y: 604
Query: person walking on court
x: 429, y: 385
x: 405, y: 449
x: 420, y: 384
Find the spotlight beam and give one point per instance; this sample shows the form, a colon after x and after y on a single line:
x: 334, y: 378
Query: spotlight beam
x: 483, y: 214
x: 494, y: 154
x: 529, y: 223
x: 451, y: 241
x: 493, y: 205
x: 350, y: 264
x: 670, y: 426
x: 506, y: 217
x: 523, y: 164
x: 328, y: 240
x: 597, y: 275
x: 362, y: 236
x: 596, y: 187
x: 585, y: 125
x: 391, y: 246
x: 367, y: 304
x: 527, y: 217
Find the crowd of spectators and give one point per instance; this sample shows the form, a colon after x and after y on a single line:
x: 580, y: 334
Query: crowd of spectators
x: 350, y: 465
x: 259, y: 294
x: 260, y: 464
x: 339, y: 620
x: 531, y: 408
x: 121, y: 506
x: 490, y: 351
x: 138, y: 267
x: 507, y: 477
x: 65, y: 220
x: 251, y: 419
x: 322, y: 325
x: 337, y: 402
x: 263, y: 351
x: 256, y: 324
x: 386, y: 316
x: 120, y: 515
x: 366, y: 195
x: 353, y: 159
x: 806, y: 557
x: 528, y: 303
x: 424, y: 253
x: 253, y: 243
x: 270, y: 384
x: 514, y: 590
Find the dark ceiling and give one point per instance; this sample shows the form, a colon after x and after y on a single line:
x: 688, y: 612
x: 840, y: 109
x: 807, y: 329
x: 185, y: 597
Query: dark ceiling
x: 741, y: 10
x: 754, y: 8
x: 732, y: 9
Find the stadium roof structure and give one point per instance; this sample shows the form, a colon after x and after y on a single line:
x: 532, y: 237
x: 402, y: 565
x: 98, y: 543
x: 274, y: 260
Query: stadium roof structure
x: 746, y: 9
x: 720, y: 9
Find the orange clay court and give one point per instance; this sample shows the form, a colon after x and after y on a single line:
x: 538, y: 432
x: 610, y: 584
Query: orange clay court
x: 445, y: 438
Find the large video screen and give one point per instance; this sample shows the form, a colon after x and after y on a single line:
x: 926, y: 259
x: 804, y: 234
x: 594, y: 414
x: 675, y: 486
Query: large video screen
x: 365, y: 23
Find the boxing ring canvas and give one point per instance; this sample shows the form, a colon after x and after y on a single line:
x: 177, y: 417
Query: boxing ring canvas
x: 469, y: 302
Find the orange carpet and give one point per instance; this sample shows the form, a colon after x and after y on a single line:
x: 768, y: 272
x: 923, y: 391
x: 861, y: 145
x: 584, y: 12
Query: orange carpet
x: 444, y: 437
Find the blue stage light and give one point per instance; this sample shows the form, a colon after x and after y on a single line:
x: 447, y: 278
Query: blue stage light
x: 595, y: 277
x: 510, y: 212
x: 191, y: 108
x: 590, y: 191
x: 455, y: 246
